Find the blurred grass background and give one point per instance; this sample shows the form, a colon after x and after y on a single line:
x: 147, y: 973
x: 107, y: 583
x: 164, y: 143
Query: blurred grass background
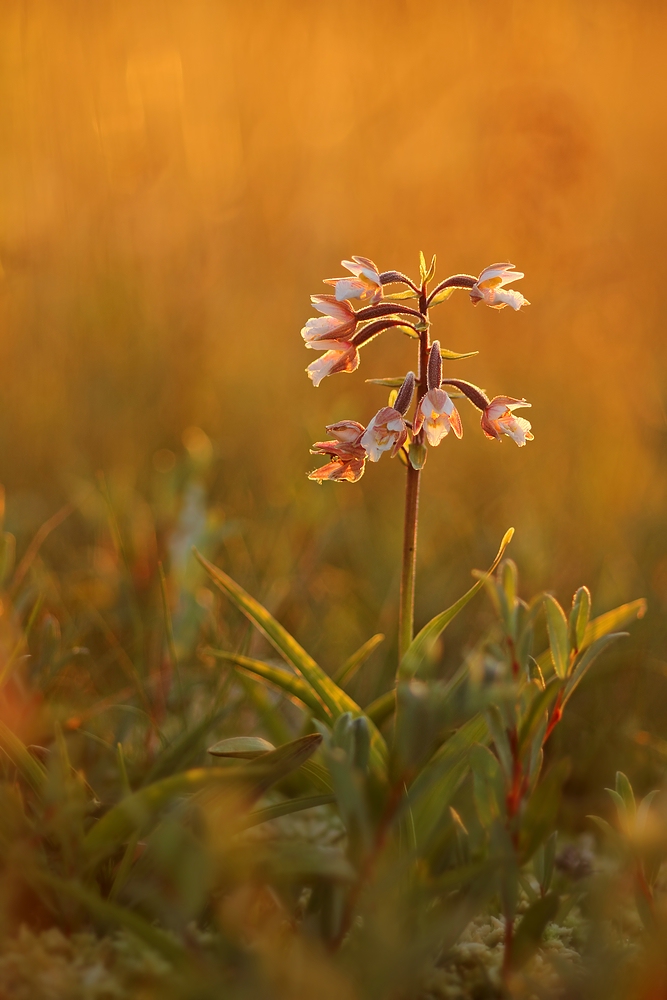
x: 176, y: 179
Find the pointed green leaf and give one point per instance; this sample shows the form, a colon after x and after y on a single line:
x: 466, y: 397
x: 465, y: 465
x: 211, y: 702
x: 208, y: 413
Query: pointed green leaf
x: 347, y: 671
x: 287, y: 683
x: 531, y: 928
x: 624, y: 789
x: 441, y: 296
x: 31, y: 770
x: 612, y: 620
x: 422, y: 266
x: 407, y: 293
x: 579, y: 616
x: 417, y: 455
x: 379, y: 710
x: 286, y: 809
x: 244, y: 747
x: 558, y: 637
x: 454, y: 355
x: 540, y: 703
x: 423, y: 643
x: 335, y: 700
x: 140, y: 809
x: 115, y: 915
x: 390, y: 383
x: 644, y: 809
x: 583, y: 664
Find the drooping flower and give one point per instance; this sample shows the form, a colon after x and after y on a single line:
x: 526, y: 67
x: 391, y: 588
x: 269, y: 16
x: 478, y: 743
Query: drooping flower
x: 364, y: 285
x: 345, y: 359
x: 437, y: 415
x: 498, y: 419
x: 489, y: 287
x: 335, y: 327
x: 348, y: 456
x: 387, y: 431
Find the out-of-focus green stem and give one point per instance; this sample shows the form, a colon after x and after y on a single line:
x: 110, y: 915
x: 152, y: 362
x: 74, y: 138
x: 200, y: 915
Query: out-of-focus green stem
x: 407, y: 601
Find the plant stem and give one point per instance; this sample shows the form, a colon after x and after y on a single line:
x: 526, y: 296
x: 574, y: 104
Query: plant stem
x: 407, y: 602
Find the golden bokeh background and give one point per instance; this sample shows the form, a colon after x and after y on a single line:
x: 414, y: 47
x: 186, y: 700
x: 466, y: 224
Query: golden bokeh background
x: 177, y: 178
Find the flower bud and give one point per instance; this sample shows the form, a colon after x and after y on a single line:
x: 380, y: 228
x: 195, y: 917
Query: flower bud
x: 405, y: 394
x: 434, y: 367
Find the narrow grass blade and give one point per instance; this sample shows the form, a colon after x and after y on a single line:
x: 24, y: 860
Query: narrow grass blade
x: 424, y: 641
x: 30, y: 769
x: 119, y: 916
x: 347, y: 671
x: 138, y: 810
x: 335, y: 700
x: 286, y: 809
x: 379, y: 710
x: 613, y: 620
x: 289, y: 684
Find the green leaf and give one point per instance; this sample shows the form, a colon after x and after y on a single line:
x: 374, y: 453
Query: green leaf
x: 499, y: 736
x: 407, y: 293
x: 644, y: 809
x: 286, y: 809
x: 612, y: 620
x: 441, y: 296
x: 417, y: 454
x: 431, y: 270
x: 540, y: 703
x: 487, y: 785
x: 379, y: 710
x: 335, y: 700
x: 287, y: 683
x: 579, y: 616
x: 422, y: 267
x: 347, y: 671
x: 558, y: 637
x: 244, y: 747
x: 119, y: 916
x: 531, y: 928
x: 30, y: 769
x: 454, y: 355
x: 423, y: 643
x: 586, y: 661
x: 139, y: 810
x: 436, y: 784
x: 390, y: 383
x: 544, y: 861
x: 624, y: 789
x: 542, y: 808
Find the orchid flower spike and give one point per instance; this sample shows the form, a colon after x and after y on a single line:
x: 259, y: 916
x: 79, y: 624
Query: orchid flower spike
x: 365, y: 285
x: 489, y: 287
x: 345, y: 359
x: 335, y: 327
x: 387, y: 431
x: 498, y: 419
x: 348, y: 457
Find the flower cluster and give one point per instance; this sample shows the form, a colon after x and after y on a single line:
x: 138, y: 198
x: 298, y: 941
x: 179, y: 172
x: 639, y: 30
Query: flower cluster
x: 341, y: 330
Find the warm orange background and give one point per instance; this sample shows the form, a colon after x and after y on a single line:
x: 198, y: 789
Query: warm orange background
x: 177, y: 178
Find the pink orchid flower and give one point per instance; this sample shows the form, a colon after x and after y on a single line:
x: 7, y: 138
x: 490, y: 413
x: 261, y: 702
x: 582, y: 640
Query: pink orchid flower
x: 498, y: 419
x: 364, y: 285
x: 438, y: 415
x: 344, y: 359
x: 489, y: 287
x: 348, y: 457
x: 335, y: 327
x: 387, y: 431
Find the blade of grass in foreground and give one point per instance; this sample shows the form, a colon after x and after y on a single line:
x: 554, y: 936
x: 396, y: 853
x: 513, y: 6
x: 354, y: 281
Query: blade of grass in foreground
x: 424, y: 641
x: 289, y: 684
x: 335, y: 699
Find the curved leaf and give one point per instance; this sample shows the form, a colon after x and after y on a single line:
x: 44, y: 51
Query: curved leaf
x: 243, y: 747
x: 347, y: 671
x: 335, y: 700
x: 286, y: 809
x: 424, y: 641
x: 287, y: 683
x: 613, y: 620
